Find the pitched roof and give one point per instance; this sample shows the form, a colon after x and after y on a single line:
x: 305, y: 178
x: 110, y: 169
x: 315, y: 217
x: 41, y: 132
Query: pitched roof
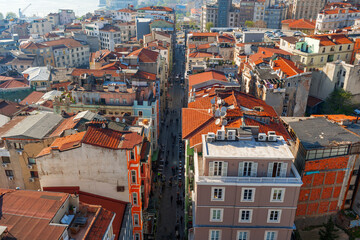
x: 130, y: 140
x: 204, y: 34
x: 34, y: 126
x: 145, y: 55
x: 32, y: 45
x: 300, y: 23
x: 226, y: 38
x: 157, y: 8
x: 313, y: 101
x: 338, y: 11
x: 110, y: 28
x: 32, y: 98
x: 331, y: 39
x: 27, y: 214
x: 9, y: 108
x: 286, y: 66
x: 263, y: 53
x: 66, y: 124
x: 68, y: 42
x: 12, y: 84
x: 206, y: 76
x: 126, y: 10
x: 145, y: 75
x: 100, y: 225
x: 94, y: 72
x: 201, y: 55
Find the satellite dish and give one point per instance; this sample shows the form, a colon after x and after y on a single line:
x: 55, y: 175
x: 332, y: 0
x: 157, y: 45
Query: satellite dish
x: 217, y: 122
x: 117, y: 119
x: 212, y: 101
x: 103, y: 125
x: 217, y: 113
x: 223, y: 109
x: 224, y: 122
x: 123, y: 120
x: 222, y: 114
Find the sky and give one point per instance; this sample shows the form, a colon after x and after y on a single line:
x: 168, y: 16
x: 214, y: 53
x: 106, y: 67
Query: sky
x: 43, y: 7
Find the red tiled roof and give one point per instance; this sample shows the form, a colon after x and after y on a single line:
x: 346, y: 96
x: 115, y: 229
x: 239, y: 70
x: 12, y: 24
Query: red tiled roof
x: 145, y: 55
x: 286, y: 66
x: 9, y: 108
x: 157, y: 8
x: 32, y: 98
x: 32, y: 45
x: 300, y: 23
x: 68, y: 42
x: 9, y: 125
x: 226, y: 38
x: 12, y: 84
x: 313, y: 101
x: 338, y: 11
x: 130, y: 140
x: 204, y: 34
x: 66, y: 124
x: 266, y: 53
x: 331, y: 39
x: 126, y: 10
x: 102, y: 137
x: 60, y: 85
x: 206, y: 76
x: 202, y: 46
x: 64, y: 143
x: 145, y: 75
x: 94, y: 72
x: 110, y: 28
x: 100, y: 225
x: 200, y: 55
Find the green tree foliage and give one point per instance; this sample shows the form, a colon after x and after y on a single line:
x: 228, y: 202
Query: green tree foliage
x: 329, y: 233
x: 338, y: 102
x: 11, y: 15
x: 249, y: 23
x: 208, y: 26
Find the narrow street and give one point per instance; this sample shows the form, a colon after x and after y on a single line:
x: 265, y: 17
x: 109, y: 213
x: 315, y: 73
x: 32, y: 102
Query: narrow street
x: 170, y: 176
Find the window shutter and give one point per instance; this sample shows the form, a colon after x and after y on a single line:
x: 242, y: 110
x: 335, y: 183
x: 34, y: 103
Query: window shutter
x: 254, y: 169
x: 283, y: 170
x: 270, y: 169
x: 225, y: 168
x: 211, y: 168
x: 241, y: 169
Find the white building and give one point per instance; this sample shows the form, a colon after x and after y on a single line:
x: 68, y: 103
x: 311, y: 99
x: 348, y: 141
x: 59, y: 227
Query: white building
x: 92, y: 28
x: 209, y: 13
x: 126, y: 15
x: 334, y: 18
x: 109, y: 36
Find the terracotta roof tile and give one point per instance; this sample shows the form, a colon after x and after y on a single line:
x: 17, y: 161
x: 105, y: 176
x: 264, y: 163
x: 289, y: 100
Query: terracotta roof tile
x: 157, y: 8
x: 68, y: 42
x: 300, y: 23
x: 313, y: 101
x: 130, y: 140
x: 206, y: 76
x: 100, y: 225
x: 331, y: 39
x: 32, y: 98
x: 66, y: 124
x: 145, y: 55
x: 94, y: 72
x: 286, y: 66
x: 204, y: 34
x: 13, y: 84
x: 102, y: 137
x: 201, y: 55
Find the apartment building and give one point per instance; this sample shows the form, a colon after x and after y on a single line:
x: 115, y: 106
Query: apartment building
x: 40, y: 27
x: 259, y: 10
x: 209, y: 14
x: 336, y: 18
x: 99, y: 161
x: 317, y: 50
x: 327, y: 159
x: 224, y: 7
x: 66, y: 16
x: 109, y: 36
x: 54, y: 19
x: 53, y: 215
x: 157, y: 12
x: 125, y: 14
x: 307, y: 9
x: 274, y: 15
x: 127, y: 29
x: 246, y: 187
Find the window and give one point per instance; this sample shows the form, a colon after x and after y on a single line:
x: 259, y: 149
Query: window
x: 248, y: 169
x: 340, y: 48
x: 34, y: 174
x: 136, y: 219
x: 215, y: 235
x: 277, y: 169
x: 218, y: 168
x: 277, y: 194
x: 245, y: 215
x: 270, y: 235
x: 124, y: 101
x: 140, y: 113
x: 9, y: 173
x: 153, y: 111
x: 5, y: 159
x: 216, y: 215
x: 137, y: 236
x: 133, y: 176
x: 243, y: 235
x: 321, y: 59
x: 18, y: 146
x: 247, y: 194
x: 135, y: 198
x: 132, y: 155
x: 349, y: 47
x: 217, y: 194
x: 31, y: 161
x: 274, y: 216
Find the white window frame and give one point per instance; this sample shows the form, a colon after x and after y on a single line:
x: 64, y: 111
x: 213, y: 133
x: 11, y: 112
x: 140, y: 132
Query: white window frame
x: 250, y: 215
x: 243, y: 195
x: 253, y: 169
x: 275, y: 236
x: 247, y: 235
x: 274, y: 221
x: 133, y: 174
x: 222, y: 172
x: 221, y: 214
x: 214, y: 230
x: 222, y: 194
x: 138, y: 218
x: 282, y: 195
x: 135, y: 197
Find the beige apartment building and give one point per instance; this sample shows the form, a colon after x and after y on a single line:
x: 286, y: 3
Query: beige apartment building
x: 246, y: 186
x: 307, y: 9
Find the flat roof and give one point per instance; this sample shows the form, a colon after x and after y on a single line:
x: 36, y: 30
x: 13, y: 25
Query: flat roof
x: 247, y: 149
x: 319, y: 132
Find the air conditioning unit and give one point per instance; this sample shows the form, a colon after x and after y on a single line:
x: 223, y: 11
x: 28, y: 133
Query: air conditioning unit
x: 231, y: 135
x: 220, y: 135
x: 4, y: 164
x: 210, y: 137
x: 262, y: 137
x: 272, y: 138
x: 30, y: 166
x: 271, y: 133
x: 11, y: 178
x: 31, y: 179
x: 19, y: 152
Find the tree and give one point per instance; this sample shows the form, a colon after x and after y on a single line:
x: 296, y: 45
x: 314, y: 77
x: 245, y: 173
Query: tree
x: 338, y: 102
x: 1, y: 16
x: 10, y: 15
x: 249, y: 23
x: 208, y: 26
x: 260, y: 24
x: 329, y: 233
